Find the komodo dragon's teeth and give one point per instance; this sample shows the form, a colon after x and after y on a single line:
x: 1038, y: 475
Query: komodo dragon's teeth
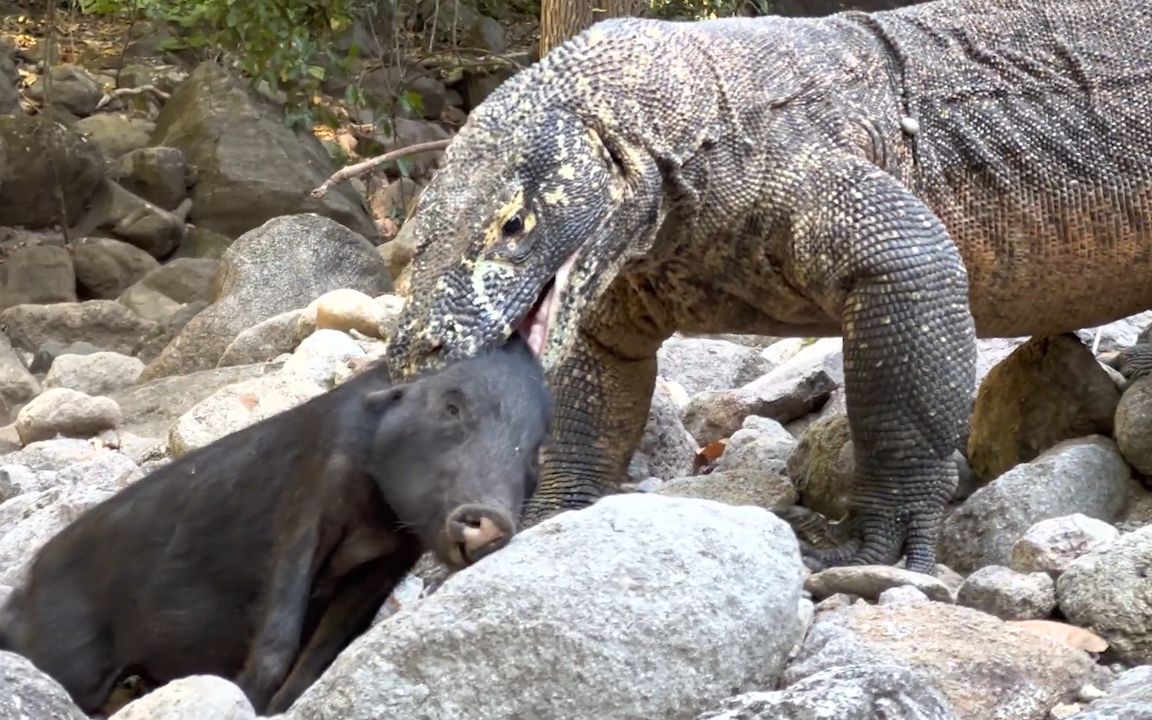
x: 541, y: 319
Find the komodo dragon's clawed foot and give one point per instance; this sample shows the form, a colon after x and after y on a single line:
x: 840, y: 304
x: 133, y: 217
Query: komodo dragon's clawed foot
x: 1132, y: 362
x: 865, y: 539
x: 813, y: 529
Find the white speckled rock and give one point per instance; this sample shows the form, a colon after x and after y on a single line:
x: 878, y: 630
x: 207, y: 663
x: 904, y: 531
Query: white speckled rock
x: 197, y: 697
x: 237, y: 406
x: 851, y: 692
x: 28, y: 694
x: 60, y: 411
x: 1108, y: 591
x: 639, y: 606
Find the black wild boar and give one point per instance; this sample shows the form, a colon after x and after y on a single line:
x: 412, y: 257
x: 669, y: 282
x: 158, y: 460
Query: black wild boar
x: 261, y: 556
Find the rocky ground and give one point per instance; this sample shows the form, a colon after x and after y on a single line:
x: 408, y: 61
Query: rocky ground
x: 200, y: 288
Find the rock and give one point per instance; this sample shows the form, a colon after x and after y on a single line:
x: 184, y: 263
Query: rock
x: 60, y: 411
x: 98, y: 373
x: 769, y: 491
x: 164, y: 290
x: 320, y: 355
x: 869, y: 581
x: 151, y: 409
x: 134, y: 219
x: 761, y: 446
x: 1086, y: 476
x: 196, y: 697
x: 397, y: 253
x: 41, y: 515
x: 9, y: 89
x: 282, y: 265
x: 1133, y: 430
x: 156, y: 339
x: 251, y: 167
x: 16, y: 479
x: 236, y: 407
x: 1048, y: 390
x: 1107, y: 591
x: 1118, y: 334
x: 202, y: 243
x: 17, y: 384
x: 823, y: 467
x: 986, y: 668
x: 666, y: 450
x: 795, y: 388
x: 1009, y: 595
x: 704, y: 364
x: 345, y: 309
x: 902, y: 595
x: 30, y: 694
x: 160, y: 175
x: 1129, y: 698
x: 385, y: 84
x: 1051, y: 545
x: 103, y: 323
x: 52, y: 455
x: 106, y: 267
x: 115, y: 135
x: 749, y: 472
x: 406, y: 593
x: 37, y: 274
x: 635, y: 591
x: 264, y: 341
x: 851, y: 692
x: 47, y: 353
x: 73, y: 88
x: 163, y: 77
x: 405, y: 132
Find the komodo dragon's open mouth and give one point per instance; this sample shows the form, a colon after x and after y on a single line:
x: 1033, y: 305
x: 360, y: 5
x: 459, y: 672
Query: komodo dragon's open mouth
x: 542, y: 316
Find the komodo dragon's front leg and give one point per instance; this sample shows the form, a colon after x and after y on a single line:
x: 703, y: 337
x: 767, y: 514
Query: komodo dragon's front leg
x: 877, y: 258
x: 602, y: 387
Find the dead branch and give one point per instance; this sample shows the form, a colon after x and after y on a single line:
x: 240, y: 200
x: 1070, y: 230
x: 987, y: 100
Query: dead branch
x: 360, y: 168
x: 125, y: 92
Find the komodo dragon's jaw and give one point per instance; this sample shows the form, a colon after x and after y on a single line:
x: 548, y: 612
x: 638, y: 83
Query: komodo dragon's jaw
x: 519, y: 231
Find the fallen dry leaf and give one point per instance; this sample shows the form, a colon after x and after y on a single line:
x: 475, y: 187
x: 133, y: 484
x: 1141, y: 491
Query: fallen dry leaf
x: 711, y: 451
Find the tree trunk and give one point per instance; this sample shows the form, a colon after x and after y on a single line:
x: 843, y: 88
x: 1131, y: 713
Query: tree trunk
x: 561, y: 19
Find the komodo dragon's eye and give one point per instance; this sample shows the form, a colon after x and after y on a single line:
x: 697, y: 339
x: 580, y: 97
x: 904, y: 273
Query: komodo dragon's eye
x: 512, y: 226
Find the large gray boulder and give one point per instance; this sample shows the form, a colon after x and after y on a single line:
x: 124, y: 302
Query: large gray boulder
x: 250, y: 166
x: 639, y: 606
x: 42, y: 156
x: 282, y: 265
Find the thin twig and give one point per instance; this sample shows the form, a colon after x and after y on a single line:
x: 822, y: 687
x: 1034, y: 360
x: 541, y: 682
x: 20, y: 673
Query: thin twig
x: 360, y: 168
x: 124, y: 92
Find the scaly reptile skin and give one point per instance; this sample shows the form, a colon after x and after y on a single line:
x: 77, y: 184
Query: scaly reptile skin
x: 910, y: 179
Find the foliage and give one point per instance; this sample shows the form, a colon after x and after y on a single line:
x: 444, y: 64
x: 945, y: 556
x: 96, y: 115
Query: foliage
x: 286, y: 43
x: 707, y: 9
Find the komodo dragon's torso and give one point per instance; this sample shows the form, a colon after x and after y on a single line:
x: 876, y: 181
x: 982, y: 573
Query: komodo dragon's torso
x: 906, y: 179
x: 1036, y: 154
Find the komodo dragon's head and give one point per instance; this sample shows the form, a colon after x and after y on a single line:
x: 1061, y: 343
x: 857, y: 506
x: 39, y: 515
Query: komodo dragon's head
x: 535, y: 207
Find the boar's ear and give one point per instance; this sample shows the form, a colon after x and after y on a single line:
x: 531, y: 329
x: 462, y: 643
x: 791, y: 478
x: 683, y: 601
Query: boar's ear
x: 381, y: 400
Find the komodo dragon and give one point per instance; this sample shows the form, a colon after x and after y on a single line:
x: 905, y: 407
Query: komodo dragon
x: 910, y: 179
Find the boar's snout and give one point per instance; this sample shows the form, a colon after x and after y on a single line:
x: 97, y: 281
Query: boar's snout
x: 475, y: 531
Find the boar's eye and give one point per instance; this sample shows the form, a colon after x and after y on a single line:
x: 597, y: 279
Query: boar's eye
x: 452, y: 404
